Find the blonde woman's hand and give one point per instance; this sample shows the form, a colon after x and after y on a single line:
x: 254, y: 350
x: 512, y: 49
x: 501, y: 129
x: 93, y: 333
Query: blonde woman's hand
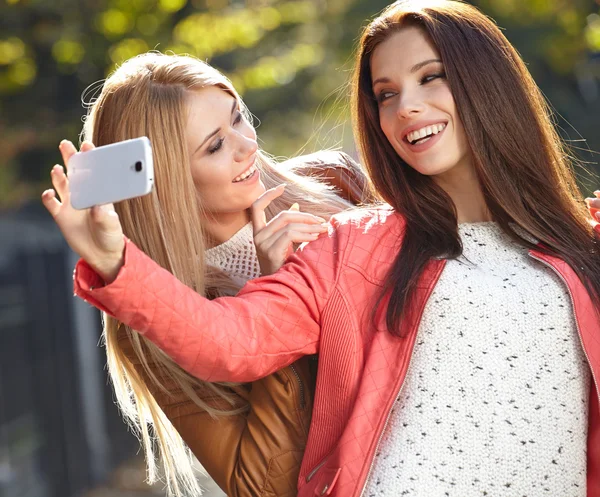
x: 275, y: 240
x: 594, y: 207
x: 95, y: 234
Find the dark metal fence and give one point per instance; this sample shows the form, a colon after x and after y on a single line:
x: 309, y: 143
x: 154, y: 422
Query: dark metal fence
x: 59, y: 430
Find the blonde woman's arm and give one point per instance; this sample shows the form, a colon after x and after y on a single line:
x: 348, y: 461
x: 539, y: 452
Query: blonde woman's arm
x: 269, y: 325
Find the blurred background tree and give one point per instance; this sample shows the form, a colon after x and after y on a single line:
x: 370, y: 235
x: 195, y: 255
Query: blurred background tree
x: 290, y: 59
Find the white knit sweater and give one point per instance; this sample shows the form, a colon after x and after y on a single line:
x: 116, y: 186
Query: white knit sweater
x: 236, y: 257
x: 496, y: 397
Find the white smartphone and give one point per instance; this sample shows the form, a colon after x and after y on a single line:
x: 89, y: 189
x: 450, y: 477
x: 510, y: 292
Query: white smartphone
x: 111, y: 173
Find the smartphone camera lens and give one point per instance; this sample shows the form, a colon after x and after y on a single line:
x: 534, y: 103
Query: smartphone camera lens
x: 138, y: 166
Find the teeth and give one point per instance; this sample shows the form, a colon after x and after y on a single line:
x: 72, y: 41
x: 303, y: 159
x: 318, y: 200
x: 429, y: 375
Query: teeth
x: 413, y: 136
x: 245, y: 174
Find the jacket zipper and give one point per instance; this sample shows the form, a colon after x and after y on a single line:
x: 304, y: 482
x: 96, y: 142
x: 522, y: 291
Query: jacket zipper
x: 547, y: 264
x: 387, y: 419
x: 300, y: 386
x: 317, y: 468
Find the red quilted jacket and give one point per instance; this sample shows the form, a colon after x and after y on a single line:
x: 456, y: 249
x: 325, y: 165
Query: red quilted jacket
x: 320, y: 302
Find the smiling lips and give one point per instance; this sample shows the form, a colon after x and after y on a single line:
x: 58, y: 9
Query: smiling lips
x: 424, y: 134
x: 245, y: 175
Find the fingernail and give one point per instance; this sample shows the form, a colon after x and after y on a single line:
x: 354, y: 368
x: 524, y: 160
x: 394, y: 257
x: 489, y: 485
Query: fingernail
x: 598, y: 216
x: 597, y: 192
x: 323, y: 221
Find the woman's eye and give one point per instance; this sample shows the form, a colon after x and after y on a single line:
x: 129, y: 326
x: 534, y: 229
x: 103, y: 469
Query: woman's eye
x: 431, y: 77
x: 238, y: 118
x: 216, y: 146
x: 384, y: 95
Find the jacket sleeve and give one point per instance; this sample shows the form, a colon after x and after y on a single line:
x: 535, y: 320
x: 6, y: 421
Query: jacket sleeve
x: 238, y: 451
x: 273, y: 321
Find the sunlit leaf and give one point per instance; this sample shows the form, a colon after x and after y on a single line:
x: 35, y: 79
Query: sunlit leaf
x: 171, y: 5
x: 68, y: 52
x: 23, y: 71
x: 11, y: 50
x: 126, y: 49
x: 270, y: 18
x: 307, y: 55
x: 592, y: 32
x: 114, y: 22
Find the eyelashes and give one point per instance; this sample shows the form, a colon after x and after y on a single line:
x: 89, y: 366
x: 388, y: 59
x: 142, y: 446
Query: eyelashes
x: 217, y: 146
x: 431, y: 77
x: 384, y: 95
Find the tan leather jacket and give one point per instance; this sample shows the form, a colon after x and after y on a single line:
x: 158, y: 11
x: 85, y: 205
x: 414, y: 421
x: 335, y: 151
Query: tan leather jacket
x: 258, y: 453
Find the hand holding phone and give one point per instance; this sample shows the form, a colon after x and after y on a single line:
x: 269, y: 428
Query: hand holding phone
x: 95, y: 234
x: 111, y: 173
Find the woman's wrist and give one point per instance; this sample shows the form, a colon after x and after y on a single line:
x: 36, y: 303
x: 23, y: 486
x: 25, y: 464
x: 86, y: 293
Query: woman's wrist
x: 109, y: 267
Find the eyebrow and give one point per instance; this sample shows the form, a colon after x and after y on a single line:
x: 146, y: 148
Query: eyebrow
x: 413, y: 69
x: 233, y: 108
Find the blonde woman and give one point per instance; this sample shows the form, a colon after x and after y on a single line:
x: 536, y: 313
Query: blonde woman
x: 250, y: 438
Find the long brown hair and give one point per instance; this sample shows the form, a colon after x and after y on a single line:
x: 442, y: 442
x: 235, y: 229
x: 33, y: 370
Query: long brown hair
x: 147, y: 95
x: 522, y: 164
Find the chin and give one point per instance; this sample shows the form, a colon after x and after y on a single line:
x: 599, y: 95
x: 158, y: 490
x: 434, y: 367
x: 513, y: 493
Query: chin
x: 432, y: 169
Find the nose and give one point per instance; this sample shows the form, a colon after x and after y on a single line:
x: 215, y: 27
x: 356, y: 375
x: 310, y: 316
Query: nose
x: 245, y: 147
x: 409, y: 105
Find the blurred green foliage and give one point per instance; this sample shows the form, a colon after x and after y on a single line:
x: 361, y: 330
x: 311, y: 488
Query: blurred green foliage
x: 290, y: 59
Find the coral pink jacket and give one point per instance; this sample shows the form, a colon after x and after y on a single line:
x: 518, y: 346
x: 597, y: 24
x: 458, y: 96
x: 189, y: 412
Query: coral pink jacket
x: 320, y: 302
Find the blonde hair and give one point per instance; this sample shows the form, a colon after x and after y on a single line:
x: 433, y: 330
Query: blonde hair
x: 146, y: 96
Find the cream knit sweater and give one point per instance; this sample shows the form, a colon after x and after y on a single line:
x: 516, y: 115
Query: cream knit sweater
x: 495, y: 400
x: 236, y: 257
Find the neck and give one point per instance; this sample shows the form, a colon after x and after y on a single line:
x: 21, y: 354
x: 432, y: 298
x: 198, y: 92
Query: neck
x: 463, y: 187
x: 220, y: 227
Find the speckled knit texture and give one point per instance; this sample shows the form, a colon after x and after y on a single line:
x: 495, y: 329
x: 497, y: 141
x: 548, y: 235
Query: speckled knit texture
x: 236, y: 257
x: 496, y: 397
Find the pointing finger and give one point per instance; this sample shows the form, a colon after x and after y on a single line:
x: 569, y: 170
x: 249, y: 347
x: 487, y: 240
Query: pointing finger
x: 259, y: 219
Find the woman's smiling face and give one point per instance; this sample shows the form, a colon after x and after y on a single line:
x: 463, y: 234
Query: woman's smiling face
x: 417, y: 112
x: 222, y: 149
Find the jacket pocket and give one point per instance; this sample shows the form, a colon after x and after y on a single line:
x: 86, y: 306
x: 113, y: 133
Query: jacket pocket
x: 327, y: 479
